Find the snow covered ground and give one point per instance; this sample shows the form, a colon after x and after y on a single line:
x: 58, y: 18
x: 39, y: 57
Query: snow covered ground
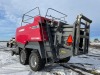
x: 90, y: 61
x: 94, y: 43
x: 9, y: 65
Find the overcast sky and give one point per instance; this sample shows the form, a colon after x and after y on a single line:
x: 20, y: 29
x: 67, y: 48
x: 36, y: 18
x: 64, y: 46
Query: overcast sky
x: 11, y: 12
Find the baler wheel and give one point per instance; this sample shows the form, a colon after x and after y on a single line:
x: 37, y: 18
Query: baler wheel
x: 7, y: 44
x: 24, y: 58
x: 35, y: 61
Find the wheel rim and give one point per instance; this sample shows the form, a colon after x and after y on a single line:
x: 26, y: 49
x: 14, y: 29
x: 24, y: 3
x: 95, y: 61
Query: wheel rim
x: 33, y: 61
x: 22, y: 56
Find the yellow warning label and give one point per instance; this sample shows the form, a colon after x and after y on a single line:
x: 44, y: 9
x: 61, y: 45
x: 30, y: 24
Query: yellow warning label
x: 63, y: 52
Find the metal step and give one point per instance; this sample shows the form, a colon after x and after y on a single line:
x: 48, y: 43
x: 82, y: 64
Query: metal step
x: 83, y: 36
x: 63, y: 26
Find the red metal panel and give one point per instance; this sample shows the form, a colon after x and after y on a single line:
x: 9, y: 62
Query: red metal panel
x: 31, y: 32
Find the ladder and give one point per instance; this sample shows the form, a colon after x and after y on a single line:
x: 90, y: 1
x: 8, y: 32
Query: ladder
x: 52, y: 50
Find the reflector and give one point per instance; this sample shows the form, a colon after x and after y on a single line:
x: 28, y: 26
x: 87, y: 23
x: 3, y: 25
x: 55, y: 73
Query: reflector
x: 69, y: 40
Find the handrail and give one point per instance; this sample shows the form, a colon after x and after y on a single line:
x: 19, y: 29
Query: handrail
x: 23, y: 21
x: 55, y: 17
x: 56, y: 11
x: 33, y: 9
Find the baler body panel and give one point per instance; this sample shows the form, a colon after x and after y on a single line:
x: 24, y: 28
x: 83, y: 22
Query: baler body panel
x: 31, y: 32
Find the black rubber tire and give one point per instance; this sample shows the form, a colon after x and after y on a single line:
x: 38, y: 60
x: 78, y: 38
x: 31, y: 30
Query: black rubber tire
x: 65, y: 60
x: 11, y: 45
x: 7, y: 44
x: 40, y: 63
x: 24, y: 60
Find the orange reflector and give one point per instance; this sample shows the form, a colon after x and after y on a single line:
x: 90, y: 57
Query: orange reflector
x: 69, y: 40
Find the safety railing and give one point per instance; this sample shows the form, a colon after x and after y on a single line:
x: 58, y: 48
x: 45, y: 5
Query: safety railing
x: 29, y: 16
x: 55, y: 18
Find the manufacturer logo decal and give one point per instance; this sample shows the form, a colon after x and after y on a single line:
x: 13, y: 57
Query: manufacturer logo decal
x: 21, y: 30
x: 34, y: 38
x: 34, y: 27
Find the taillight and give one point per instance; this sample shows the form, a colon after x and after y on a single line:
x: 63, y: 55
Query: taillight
x: 69, y: 40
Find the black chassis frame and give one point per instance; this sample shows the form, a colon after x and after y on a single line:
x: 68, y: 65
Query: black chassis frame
x: 32, y: 46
